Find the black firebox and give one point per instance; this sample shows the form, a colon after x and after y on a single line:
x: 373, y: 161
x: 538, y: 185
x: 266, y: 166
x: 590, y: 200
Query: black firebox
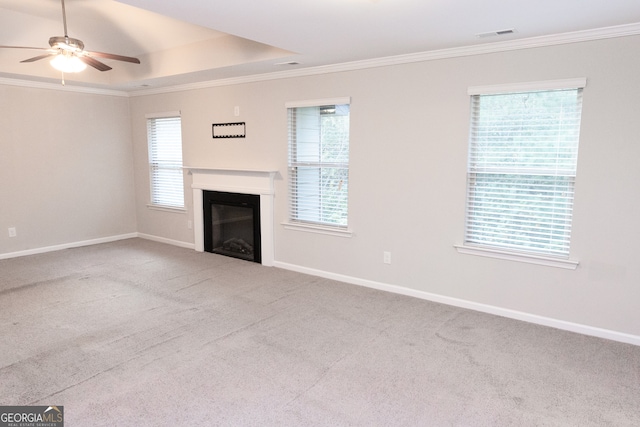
x: 232, y: 224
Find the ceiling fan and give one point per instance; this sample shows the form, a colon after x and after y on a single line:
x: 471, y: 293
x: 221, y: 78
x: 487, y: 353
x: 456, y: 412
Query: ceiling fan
x: 69, y: 55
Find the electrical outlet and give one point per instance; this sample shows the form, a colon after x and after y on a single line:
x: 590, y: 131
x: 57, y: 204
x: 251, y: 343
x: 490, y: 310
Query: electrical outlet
x: 12, y: 232
x: 386, y: 257
x: 190, y: 225
x: 236, y: 111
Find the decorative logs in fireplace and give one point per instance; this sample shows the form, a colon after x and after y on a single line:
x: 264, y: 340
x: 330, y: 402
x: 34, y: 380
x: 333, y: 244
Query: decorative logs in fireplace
x: 232, y: 224
x: 237, y: 245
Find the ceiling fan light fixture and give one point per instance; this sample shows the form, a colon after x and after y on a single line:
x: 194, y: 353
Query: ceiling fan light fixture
x: 68, y: 63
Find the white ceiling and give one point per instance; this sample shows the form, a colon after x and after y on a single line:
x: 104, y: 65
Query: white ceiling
x: 188, y: 41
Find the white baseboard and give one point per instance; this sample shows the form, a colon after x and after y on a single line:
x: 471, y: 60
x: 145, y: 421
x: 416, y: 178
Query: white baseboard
x: 68, y: 245
x: 45, y: 249
x: 167, y: 241
x: 456, y: 302
x: 498, y: 311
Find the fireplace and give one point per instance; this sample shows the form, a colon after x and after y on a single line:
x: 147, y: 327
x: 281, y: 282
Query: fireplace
x: 258, y: 183
x: 232, y: 225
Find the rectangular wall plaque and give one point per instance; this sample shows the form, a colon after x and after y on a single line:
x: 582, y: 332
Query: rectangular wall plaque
x: 229, y: 130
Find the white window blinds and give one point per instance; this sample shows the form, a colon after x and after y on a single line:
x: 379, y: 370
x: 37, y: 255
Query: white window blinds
x: 319, y: 164
x: 523, y: 155
x: 165, y: 161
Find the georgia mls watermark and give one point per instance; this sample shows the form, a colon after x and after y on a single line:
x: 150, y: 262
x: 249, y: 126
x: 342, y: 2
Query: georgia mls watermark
x: 31, y: 416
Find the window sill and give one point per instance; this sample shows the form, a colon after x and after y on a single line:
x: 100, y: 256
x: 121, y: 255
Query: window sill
x: 520, y: 257
x: 340, y: 232
x: 166, y: 209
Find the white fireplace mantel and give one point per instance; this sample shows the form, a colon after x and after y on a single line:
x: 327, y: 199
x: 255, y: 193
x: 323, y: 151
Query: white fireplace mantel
x: 244, y: 181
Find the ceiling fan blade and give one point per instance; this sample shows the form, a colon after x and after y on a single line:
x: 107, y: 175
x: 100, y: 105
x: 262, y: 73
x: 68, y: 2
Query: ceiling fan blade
x: 94, y: 63
x: 114, y: 56
x: 39, y: 57
x: 24, y: 47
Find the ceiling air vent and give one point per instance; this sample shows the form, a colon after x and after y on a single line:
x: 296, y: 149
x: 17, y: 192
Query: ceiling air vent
x: 496, y: 33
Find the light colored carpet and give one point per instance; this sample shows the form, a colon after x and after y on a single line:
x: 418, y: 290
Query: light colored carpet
x: 137, y: 333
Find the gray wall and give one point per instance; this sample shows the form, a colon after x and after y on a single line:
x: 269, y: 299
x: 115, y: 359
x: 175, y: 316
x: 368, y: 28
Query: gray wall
x: 66, y: 168
x: 409, y: 141
x: 73, y: 167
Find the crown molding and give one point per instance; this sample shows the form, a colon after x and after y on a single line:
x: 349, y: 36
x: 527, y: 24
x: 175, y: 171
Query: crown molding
x: 480, y: 49
x: 505, y: 46
x: 60, y: 87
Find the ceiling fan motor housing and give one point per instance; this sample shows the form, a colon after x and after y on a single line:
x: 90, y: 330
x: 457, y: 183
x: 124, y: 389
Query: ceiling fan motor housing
x: 66, y: 43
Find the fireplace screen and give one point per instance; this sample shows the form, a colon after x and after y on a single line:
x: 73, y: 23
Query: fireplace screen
x: 232, y: 224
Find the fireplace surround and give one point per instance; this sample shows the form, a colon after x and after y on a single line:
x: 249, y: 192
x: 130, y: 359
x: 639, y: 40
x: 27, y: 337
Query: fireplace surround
x: 242, y: 181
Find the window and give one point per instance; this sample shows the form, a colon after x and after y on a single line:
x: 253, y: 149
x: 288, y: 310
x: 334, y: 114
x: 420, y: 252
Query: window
x: 523, y: 153
x: 319, y: 162
x: 165, y: 160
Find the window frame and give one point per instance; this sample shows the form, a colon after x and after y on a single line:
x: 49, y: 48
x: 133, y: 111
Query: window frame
x: 149, y: 118
x: 310, y: 226
x: 499, y: 252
